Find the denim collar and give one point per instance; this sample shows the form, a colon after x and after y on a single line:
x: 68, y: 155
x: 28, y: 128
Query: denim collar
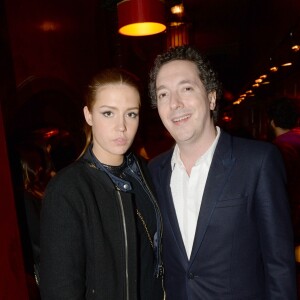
x: 121, y: 184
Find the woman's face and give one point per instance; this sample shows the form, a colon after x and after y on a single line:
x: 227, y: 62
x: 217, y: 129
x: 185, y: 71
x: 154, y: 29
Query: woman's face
x: 114, y: 119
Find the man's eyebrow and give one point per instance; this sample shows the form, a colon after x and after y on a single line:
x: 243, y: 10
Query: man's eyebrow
x: 187, y: 81
x: 184, y: 81
x: 160, y: 88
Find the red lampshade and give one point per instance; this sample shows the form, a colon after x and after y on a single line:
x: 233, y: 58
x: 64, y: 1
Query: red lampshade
x: 141, y: 17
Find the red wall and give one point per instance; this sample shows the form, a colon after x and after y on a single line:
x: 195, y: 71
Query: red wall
x: 12, y: 275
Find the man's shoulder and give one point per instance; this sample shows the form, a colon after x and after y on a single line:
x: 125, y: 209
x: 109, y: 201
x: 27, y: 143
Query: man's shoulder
x: 245, y: 145
x: 161, y: 159
x: 242, y: 139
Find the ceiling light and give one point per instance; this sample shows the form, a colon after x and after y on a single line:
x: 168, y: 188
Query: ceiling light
x: 177, y: 9
x: 141, y: 17
x: 263, y: 76
x: 286, y: 64
x: 274, y: 69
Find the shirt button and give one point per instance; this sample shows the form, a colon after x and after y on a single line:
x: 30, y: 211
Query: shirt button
x: 126, y: 186
x: 190, y: 276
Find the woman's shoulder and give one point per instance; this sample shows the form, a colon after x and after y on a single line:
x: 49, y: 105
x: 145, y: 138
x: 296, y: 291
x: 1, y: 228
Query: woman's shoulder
x: 71, y: 176
x: 72, y: 170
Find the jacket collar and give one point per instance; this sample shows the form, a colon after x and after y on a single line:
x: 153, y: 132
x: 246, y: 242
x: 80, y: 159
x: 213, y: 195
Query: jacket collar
x: 121, y: 184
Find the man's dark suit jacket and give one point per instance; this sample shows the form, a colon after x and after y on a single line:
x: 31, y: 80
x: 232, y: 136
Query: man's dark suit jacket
x: 243, y: 247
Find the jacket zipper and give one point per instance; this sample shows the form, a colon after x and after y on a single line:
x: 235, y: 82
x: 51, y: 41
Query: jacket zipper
x: 125, y: 244
x: 158, y: 215
x: 160, y: 271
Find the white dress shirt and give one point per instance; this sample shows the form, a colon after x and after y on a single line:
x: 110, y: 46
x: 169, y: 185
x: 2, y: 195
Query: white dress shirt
x: 187, y: 191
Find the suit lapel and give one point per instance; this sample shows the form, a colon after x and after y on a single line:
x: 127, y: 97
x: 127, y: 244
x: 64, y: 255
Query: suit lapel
x: 217, y: 177
x: 168, y: 208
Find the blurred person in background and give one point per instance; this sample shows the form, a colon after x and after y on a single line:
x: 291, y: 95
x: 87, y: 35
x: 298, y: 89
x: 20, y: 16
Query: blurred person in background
x: 284, y: 121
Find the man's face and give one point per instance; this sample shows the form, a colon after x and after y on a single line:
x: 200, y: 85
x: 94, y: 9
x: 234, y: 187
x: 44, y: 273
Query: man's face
x: 182, y: 101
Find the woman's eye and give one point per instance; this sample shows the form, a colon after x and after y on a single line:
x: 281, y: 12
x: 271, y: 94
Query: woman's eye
x: 133, y: 115
x: 107, y: 114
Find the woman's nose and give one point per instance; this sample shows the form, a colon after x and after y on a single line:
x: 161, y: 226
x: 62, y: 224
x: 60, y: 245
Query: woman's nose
x: 121, y: 126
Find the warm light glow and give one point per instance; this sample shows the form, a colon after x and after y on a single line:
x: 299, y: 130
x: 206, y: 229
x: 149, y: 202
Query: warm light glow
x: 48, y: 26
x: 51, y: 133
x: 263, y: 76
x: 142, y: 29
x: 255, y: 85
x: 296, y: 48
x: 297, y: 253
x: 238, y: 101
x: 249, y: 92
x: 266, y: 82
x: 274, y: 69
x: 227, y: 118
x: 259, y: 80
x: 177, y: 9
x: 174, y: 24
x: 286, y: 64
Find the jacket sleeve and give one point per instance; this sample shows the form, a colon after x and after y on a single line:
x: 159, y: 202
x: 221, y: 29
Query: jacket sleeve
x: 275, y: 230
x: 62, y: 268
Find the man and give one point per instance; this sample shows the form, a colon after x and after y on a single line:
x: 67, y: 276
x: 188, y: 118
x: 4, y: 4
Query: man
x: 227, y: 228
x: 284, y: 117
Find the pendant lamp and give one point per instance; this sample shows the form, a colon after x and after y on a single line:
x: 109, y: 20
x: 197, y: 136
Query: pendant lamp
x: 141, y: 17
x: 178, y: 27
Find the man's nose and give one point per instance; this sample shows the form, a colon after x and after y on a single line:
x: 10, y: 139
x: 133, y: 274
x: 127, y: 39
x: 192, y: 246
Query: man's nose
x: 175, y: 101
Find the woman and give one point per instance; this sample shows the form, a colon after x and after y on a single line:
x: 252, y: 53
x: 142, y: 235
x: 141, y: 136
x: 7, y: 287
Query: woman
x: 100, y: 224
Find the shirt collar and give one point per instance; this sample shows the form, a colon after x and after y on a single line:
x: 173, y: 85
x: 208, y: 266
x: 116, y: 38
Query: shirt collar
x: 208, y: 155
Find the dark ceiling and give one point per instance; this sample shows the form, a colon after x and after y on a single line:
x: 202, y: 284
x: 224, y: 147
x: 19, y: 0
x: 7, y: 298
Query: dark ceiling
x: 241, y: 35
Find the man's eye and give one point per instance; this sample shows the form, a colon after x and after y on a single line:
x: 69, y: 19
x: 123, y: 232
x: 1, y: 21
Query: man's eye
x: 161, y: 96
x: 188, y: 88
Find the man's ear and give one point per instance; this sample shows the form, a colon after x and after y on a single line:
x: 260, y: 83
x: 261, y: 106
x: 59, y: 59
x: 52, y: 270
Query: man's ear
x: 212, y: 98
x: 87, y: 116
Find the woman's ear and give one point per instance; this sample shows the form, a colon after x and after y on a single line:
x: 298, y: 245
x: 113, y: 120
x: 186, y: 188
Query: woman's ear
x: 212, y: 97
x: 88, y: 116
